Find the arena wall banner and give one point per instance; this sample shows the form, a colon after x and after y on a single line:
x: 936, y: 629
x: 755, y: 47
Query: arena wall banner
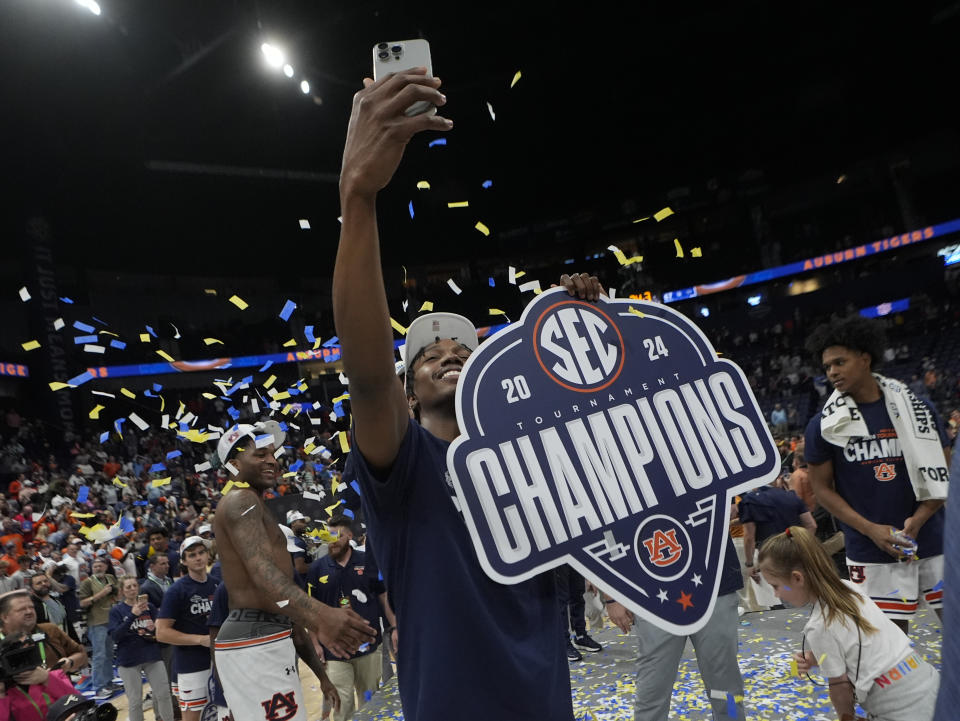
x: 611, y: 437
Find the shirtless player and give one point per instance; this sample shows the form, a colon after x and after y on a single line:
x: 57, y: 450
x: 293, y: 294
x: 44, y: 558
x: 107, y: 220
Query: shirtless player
x: 255, y: 654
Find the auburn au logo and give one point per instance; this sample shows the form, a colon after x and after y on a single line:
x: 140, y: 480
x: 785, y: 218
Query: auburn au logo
x: 885, y: 471
x: 281, y: 707
x: 662, y: 548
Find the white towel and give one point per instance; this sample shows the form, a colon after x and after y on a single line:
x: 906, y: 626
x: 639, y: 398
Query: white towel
x: 916, y: 430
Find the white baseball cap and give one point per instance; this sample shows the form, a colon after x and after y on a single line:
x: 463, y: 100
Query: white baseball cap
x: 205, y: 528
x: 243, y: 431
x: 295, y: 516
x: 432, y: 327
x: 190, y: 542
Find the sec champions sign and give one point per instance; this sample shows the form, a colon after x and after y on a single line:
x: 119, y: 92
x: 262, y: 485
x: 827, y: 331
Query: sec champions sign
x: 609, y: 436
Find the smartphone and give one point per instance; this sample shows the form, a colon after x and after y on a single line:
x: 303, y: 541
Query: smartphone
x: 400, y: 55
x: 142, y: 598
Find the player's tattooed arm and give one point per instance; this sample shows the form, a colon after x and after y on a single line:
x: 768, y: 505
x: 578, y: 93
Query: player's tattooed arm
x: 340, y: 630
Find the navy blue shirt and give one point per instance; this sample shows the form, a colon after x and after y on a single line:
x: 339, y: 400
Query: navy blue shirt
x: 188, y: 603
x: 488, y: 650
x: 773, y: 510
x: 218, y: 614
x: 135, y: 636
x: 357, y: 582
x: 870, y: 475
x: 731, y: 578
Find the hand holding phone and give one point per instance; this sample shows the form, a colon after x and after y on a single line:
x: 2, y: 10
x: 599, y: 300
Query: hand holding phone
x: 399, y: 56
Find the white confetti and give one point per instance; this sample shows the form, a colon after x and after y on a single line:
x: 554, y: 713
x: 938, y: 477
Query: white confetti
x: 281, y: 604
x: 512, y: 275
x: 103, y: 393
x: 359, y: 595
x: 200, y: 467
x: 279, y: 452
x: 453, y: 286
x: 339, y: 489
x: 232, y: 468
x: 304, y: 224
x: 165, y: 420
x: 139, y: 422
x: 24, y: 294
x: 58, y: 324
x: 90, y: 348
x: 612, y: 293
x: 493, y: 115
x: 249, y: 509
x: 533, y: 285
x: 405, y: 304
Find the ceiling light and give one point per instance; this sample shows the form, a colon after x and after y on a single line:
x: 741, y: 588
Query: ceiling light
x: 90, y: 5
x: 274, y: 56
x: 288, y: 70
x: 304, y: 87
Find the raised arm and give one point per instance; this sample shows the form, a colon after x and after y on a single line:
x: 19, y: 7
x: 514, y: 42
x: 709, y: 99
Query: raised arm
x: 376, y: 137
x: 340, y: 630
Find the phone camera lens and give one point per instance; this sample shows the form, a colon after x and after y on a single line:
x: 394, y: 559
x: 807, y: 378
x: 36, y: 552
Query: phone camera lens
x: 383, y: 55
x: 397, y: 49
x: 381, y: 46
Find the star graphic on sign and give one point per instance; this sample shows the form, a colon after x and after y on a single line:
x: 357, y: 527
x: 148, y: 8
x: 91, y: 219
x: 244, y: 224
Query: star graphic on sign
x: 662, y: 595
x: 697, y: 580
x: 684, y: 600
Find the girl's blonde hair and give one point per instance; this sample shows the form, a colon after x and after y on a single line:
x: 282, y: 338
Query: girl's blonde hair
x: 798, y: 550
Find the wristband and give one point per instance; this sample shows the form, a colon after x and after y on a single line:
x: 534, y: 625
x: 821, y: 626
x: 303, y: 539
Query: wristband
x: 610, y: 600
x: 748, y: 565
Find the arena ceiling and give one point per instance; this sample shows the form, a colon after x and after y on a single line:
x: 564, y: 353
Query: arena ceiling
x: 155, y: 135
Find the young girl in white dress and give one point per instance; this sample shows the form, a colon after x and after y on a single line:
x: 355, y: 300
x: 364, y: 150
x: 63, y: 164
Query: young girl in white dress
x: 866, y: 658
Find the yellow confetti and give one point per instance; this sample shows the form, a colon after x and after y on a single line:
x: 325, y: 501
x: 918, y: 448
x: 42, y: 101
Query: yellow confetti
x: 661, y: 214
x: 459, y: 204
x: 519, y: 274
x: 516, y: 77
x: 398, y: 327
x: 194, y: 435
x: 676, y: 244
x: 309, y: 448
x: 211, y: 341
x: 128, y: 394
x: 144, y: 337
x: 209, y: 291
x: 302, y: 386
x: 95, y: 413
x: 821, y: 659
x: 106, y: 332
x: 269, y: 382
x: 241, y: 484
x: 618, y: 254
x: 482, y: 228
x: 166, y: 356
x: 640, y: 220
x: 636, y: 312
x: 208, y: 396
x: 289, y: 343
x: 344, y: 397
x: 696, y: 253
x: 227, y: 487
x: 794, y: 671
x: 281, y: 396
x: 344, y: 443
x: 239, y: 302
x: 117, y: 482
x: 58, y: 386
x: 83, y: 515
x: 31, y: 345
x: 161, y: 482
x: 316, y: 343
x: 288, y: 475
x: 323, y: 579
x: 329, y: 509
x: 427, y: 306
x: 423, y: 185
x: 496, y: 311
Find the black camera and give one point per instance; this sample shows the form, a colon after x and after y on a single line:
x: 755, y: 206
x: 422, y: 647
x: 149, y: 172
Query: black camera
x: 20, y: 654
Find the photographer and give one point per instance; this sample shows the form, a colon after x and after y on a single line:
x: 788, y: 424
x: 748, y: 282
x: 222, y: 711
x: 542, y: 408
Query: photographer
x: 27, y: 686
x: 18, y: 617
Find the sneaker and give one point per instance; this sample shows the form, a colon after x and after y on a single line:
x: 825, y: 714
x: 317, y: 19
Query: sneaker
x: 572, y: 653
x: 586, y: 643
x: 104, y: 694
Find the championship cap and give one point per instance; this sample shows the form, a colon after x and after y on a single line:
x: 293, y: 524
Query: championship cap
x: 295, y: 516
x: 190, y: 542
x: 431, y: 327
x: 246, y: 431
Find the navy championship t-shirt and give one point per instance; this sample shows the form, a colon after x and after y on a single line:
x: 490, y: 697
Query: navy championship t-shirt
x: 870, y: 475
x: 488, y: 650
x: 188, y: 603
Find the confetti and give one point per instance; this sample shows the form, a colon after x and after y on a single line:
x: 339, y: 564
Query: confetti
x: 661, y: 214
x: 290, y: 343
x: 166, y: 356
x: 209, y: 291
x: 438, y: 141
x: 323, y: 579
x: 696, y: 253
x: 95, y: 413
x: 82, y: 494
x: 58, y: 386
x: 493, y: 116
x: 410, y: 207
x: 423, y: 185
x: 128, y: 394
x: 30, y: 345
x: 232, y: 468
x: 283, y: 603
x: 249, y: 509
x: 640, y: 220
x: 161, y: 482
x: 80, y: 379
x: 516, y: 77
x: 459, y: 204
x: 482, y: 228
x: 83, y: 327
x: 344, y: 443
x: 239, y: 302
x: 398, y: 327
x: 511, y: 275
x: 676, y: 244
x: 139, y: 422
x: 304, y: 224
x: 94, y: 348
x: 427, y: 306
x: 359, y: 595
x: 636, y: 312
x: 288, y: 308
x: 24, y: 294
x: 200, y: 467
x: 453, y: 286
x: 211, y: 341
x: 118, y: 344
x: 496, y: 311
x: 486, y: 184
x: 144, y: 337
x: 533, y: 285
x: 58, y: 324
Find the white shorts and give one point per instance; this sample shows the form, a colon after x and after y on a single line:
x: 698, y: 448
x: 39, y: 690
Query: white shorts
x: 899, y: 588
x: 191, y: 689
x: 258, y: 670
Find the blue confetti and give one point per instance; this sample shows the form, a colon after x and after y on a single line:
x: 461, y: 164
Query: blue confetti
x: 438, y: 141
x: 83, y: 327
x: 234, y: 413
x: 308, y: 334
x: 80, y: 379
x: 266, y: 365
x: 356, y: 487
x: 150, y: 331
x: 140, y: 503
x: 118, y: 424
x: 126, y: 525
x: 104, y: 436
x: 82, y: 494
x: 491, y: 282
x: 294, y: 467
x: 333, y: 341
x: 938, y: 587
x: 348, y: 513
x: 338, y: 409
x: 283, y: 426
x: 379, y: 576
x: 101, y: 322
x: 288, y: 308
x: 364, y: 647
x: 118, y: 344
x: 157, y: 467
x: 367, y: 695
x: 174, y: 454
x: 157, y: 387
x: 66, y: 300
x: 411, y: 208
x: 487, y: 183
x: 78, y: 339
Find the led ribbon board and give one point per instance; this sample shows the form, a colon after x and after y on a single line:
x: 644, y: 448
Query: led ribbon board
x: 608, y: 435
